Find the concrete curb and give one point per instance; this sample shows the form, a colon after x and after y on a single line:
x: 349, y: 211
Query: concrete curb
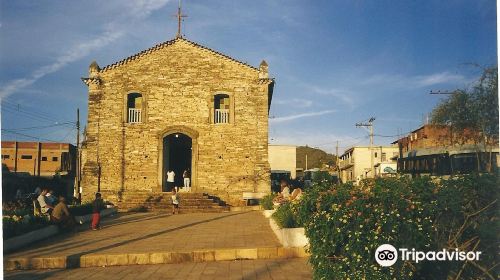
x: 43, y: 233
x: 289, y: 237
x: 100, y: 260
x: 244, y: 208
x: 268, y: 213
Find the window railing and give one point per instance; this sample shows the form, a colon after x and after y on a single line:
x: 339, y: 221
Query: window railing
x: 221, y: 116
x: 134, y: 115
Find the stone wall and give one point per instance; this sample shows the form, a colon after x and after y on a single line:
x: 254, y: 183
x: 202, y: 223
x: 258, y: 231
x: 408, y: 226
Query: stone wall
x: 177, y: 81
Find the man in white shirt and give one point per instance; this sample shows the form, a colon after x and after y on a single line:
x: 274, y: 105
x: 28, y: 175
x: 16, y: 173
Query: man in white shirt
x: 170, y: 180
x: 45, y: 206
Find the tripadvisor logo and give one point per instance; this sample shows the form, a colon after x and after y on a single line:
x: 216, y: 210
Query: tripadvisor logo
x: 387, y: 255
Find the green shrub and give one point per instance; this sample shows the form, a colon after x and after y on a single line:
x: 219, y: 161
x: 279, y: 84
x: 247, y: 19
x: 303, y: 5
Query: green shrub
x: 267, y: 201
x: 345, y: 224
x: 285, y: 216
x: 17, y: 225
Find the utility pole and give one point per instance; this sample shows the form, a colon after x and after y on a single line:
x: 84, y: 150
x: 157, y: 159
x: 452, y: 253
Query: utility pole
x: 306, y: 161
x: 369, y: 125
x: 337, y: 156
x: 78, y: 175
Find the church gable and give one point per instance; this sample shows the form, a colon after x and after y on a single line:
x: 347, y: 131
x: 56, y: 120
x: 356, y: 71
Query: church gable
x: 162, y: 46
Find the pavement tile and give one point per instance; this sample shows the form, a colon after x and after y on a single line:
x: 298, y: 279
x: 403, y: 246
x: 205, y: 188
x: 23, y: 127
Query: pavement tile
x: 160, y: 258
x: 117, y: 259
x: 138, y: 259
x: 246, y: 254
x: 225, y: 254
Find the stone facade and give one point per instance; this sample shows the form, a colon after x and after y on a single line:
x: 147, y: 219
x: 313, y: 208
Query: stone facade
x: 177, y: 82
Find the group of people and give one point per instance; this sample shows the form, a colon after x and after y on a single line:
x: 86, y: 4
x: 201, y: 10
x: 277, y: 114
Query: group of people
x: 56, y: 208
x: 171, y: 180
x: 285, y: 195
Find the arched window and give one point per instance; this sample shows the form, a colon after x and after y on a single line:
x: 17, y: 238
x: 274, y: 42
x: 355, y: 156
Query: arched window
x: 222, y: 108
x: 134, y: 107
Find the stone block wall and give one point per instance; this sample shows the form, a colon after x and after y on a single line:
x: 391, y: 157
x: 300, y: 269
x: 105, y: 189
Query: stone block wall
x: 177, y: 81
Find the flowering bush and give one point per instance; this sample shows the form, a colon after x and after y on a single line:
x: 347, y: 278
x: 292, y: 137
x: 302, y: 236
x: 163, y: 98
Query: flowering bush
x: 345, y: 224
x: 286, y: 216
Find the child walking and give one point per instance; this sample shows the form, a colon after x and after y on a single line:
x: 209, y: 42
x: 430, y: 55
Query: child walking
x: 175, y: 202
x: 97, y: 206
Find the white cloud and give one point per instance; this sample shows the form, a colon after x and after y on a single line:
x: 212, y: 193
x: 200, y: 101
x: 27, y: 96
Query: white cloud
x: 299, y: 116
x: 438, y: 78
x: 343, y: 95
x: 114, y: 30
x: 295, y: 102
x: 413, y: 82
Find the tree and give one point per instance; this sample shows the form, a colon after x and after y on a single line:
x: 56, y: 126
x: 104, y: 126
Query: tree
x: 473, y: 113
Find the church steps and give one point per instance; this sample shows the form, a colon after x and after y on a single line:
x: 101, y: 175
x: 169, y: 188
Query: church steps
x: 189, y: 202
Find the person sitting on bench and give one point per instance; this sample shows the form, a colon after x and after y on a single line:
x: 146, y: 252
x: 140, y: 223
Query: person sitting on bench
x: 61, y: 215
x: 45, y: 206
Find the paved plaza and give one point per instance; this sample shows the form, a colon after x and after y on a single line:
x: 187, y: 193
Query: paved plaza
x: 232, y: 245
x: 150, y: 232
x: 242, y: 269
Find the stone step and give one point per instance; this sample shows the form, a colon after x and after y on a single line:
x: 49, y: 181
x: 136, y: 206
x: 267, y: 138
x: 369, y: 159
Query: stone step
x: 101, y: 260
x: 190, y: 202
x: 190, y: 207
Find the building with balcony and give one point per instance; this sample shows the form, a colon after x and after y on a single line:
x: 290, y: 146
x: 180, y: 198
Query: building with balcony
x: 355, y: 162
x: 177, y: 106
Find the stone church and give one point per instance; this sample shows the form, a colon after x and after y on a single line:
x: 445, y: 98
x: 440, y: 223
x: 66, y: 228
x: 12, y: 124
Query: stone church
x: 177, y: 106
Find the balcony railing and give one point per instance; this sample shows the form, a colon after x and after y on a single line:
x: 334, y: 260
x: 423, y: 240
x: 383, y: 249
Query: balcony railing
x: 134, y: 115
x: 221, y: 116
x: 346, y: 163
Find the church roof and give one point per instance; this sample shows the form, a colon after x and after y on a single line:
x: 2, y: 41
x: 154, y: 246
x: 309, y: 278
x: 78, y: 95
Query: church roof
x: 166, y: 44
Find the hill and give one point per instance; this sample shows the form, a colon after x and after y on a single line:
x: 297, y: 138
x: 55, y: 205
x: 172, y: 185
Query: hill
x: 316, y: 158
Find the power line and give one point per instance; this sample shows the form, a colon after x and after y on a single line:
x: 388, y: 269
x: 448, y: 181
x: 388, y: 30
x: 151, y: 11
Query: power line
x: 18, y: 106
x: 40, y: 127
x: 27, y: 136
x: 42, y: 117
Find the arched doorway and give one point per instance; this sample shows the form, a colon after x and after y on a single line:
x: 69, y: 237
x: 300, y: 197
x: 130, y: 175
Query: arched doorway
x: 177, y: 156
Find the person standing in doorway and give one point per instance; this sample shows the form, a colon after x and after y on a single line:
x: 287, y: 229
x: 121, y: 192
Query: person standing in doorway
x: 170, y: 179
x: 187, y: 180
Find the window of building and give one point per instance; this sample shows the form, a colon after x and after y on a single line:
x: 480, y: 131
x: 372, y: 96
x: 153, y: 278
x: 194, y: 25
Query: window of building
x: 55, y: 158
x: 44, y: 158
x: 134, y: 107
x: 222, y: 108
x: 384, y: 156
x: 5, y: 156
x: 375, y: 154
x: 26, y: 156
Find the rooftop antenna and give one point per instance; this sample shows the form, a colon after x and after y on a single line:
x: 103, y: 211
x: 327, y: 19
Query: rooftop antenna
x: 180, y: 17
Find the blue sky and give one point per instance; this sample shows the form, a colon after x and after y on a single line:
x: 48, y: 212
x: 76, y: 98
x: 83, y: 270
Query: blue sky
x: 336, y: 63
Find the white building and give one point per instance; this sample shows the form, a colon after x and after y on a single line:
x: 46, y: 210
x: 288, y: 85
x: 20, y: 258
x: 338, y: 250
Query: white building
x: 283, y: 157
x: 355, y: 162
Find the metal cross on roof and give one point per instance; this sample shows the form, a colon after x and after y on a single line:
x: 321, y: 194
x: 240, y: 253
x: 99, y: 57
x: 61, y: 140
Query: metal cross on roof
x: 180, y: 17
